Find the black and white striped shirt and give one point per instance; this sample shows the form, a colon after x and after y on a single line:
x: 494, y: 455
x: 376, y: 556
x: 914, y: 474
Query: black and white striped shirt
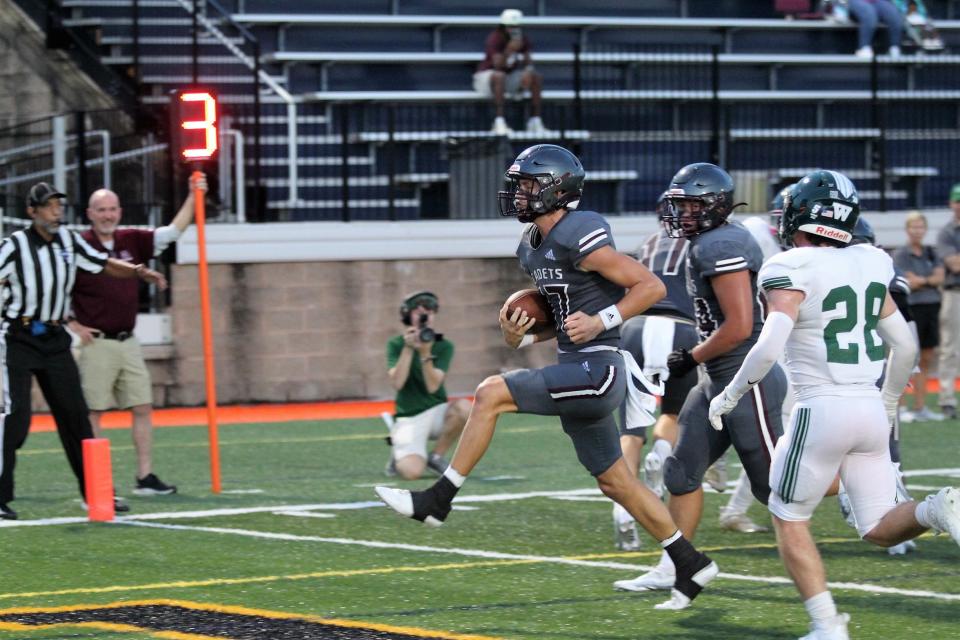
x: 38, y: 275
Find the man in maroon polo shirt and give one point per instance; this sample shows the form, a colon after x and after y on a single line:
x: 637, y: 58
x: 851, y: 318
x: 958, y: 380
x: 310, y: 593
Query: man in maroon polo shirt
x: 112, y: 369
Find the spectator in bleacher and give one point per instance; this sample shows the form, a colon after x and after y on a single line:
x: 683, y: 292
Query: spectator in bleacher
x: 868, y: 13
x: 948, y: 248
x: 923, y: 270
x: 417, y: 363
x: 918, y: 26
x: 507, y: 70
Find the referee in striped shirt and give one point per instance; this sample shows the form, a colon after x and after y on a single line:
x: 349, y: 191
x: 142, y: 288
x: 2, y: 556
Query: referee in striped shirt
x: 38, y: 267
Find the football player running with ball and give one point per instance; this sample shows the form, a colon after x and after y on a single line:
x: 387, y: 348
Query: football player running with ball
x: 829, y: 309
x: 571, y: 256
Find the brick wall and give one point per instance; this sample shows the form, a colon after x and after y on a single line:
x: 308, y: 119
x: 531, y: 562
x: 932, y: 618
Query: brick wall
x: 317, y: 331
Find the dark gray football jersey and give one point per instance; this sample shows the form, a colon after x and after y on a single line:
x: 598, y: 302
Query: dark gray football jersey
x: 726, y: 249
x: 666, y: 257
x: 553, y: 263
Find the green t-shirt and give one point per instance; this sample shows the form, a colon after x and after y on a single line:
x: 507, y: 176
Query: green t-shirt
x: 413, y: 397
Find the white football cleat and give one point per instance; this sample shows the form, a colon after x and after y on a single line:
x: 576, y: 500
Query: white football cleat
x: 653, y: 473
x: 399, y: 500
x: 676, y: 602
x: 902, y: 549
x: 657, y: 579
x: 625, y: 535
x: 716, y: 475
x: 836, y: 629
x: 944, y: 512
x: 741, y: 523
x: 679, y: 600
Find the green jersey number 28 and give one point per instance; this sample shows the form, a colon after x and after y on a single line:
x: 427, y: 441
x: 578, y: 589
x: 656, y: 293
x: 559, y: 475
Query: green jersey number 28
x: 874, y: 296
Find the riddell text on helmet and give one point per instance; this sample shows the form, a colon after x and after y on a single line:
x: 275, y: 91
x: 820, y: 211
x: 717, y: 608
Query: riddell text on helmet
x: 836, y: 234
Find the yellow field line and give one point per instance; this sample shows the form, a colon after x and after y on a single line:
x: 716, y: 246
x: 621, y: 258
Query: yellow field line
x: 107, y: 626
x: 340, y: 573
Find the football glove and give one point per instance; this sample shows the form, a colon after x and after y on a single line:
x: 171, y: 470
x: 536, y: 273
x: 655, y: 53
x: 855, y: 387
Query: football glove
x: 680, y: 363
x: 719, y: 407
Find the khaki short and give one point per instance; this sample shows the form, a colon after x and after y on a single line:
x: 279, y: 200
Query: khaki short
x: 410, y: 435
x: 114, y: 375
x: 512, y: 84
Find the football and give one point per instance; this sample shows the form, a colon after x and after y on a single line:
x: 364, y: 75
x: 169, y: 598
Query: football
x: 536, y: 306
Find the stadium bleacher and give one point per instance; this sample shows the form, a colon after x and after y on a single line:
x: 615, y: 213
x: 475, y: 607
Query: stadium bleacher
x: 346, y: 69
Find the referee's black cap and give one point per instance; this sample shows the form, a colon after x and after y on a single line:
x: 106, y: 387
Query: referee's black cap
x: 40, y: 193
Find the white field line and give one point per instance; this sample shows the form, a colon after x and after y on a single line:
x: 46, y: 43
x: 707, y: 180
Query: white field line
x: 947, y: 473
x: 478, y: 553
x: 369, y: 504
x: 325, y: 506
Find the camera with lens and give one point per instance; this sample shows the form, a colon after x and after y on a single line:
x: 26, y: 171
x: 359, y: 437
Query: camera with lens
x: 426, y: 334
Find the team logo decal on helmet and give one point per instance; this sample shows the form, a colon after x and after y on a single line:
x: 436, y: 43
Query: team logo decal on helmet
x: 700, y: 198
x: 553, y: 179
x: 824, y: 203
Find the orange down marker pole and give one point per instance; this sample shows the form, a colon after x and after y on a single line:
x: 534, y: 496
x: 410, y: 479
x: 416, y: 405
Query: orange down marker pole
x: 200, y: 216
x: 98, y: 479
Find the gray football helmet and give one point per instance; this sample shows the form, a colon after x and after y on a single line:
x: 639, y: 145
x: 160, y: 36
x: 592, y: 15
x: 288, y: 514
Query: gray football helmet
x: 559, y: 175
x: 701, y: 182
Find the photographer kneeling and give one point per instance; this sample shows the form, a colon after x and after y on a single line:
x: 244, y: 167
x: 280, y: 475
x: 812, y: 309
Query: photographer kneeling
x: 417, y: 361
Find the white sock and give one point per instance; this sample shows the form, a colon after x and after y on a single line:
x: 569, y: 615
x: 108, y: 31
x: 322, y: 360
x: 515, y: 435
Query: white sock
x: 742, y: 497
x: 454, y: 477
x: 662, y: 448
x: 922, y: 514
x: 821, y: 608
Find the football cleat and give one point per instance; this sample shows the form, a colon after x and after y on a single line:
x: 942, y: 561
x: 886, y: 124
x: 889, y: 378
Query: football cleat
x: 437, y: 463
x: 741, y: 523
x: 658, y: 578
x: 682, y: 595
x: 902, y: 549
x: 716, y: 475
x: 944, y: 512
x: 419, y: 505
x: 835, y: 629
x: 653, y: 473
x: 625, y: 536
x: 846, y: 509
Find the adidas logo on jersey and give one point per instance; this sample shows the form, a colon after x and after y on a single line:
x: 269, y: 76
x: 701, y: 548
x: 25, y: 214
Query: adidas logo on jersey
x: 549, y: 255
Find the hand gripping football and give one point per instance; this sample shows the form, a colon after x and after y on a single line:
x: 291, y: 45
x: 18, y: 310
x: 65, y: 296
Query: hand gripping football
x: 536, y: 306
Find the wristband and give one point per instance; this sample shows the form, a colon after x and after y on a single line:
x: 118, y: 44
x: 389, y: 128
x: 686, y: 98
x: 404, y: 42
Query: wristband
x: 610, y: 317
x: 527, y: 340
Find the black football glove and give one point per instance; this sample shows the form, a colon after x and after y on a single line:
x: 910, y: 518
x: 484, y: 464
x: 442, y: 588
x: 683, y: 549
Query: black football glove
x: 680, y: 363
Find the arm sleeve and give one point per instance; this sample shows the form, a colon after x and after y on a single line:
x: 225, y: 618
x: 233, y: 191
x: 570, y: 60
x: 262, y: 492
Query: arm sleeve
x: 903, y: 351
x: 163, y: 237
x: 88, y: 258
x: 443, y: 354
x: 762, y: 356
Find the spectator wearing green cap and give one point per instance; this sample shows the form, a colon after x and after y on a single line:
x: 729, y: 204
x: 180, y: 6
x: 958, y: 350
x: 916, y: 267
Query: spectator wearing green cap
x: 948, y: 247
